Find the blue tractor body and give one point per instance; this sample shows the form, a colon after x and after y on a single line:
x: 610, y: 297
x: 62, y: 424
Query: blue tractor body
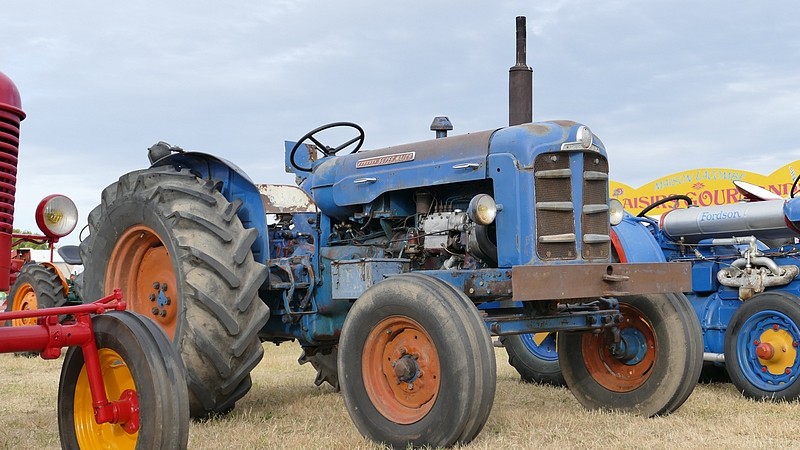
x: 552, y: 199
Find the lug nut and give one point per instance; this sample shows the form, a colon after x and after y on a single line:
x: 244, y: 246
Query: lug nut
x: 154, y: 311
x: 156, y: 286
x: 164, y: 287
x: 163, y: 313
x: 152, y: 297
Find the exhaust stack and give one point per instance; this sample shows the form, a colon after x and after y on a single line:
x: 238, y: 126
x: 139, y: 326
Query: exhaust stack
x: 520, y: 82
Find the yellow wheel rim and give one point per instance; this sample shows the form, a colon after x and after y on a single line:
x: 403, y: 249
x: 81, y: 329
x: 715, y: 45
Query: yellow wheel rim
x: 781, y: 354
x: 24, y: 300
x: 117, y: 379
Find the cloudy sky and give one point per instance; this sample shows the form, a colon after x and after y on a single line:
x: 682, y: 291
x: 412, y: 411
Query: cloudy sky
x: 667, y: 85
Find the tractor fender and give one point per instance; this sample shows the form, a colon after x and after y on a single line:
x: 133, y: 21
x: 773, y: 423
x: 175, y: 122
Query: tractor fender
x: 633, y: 241
x: 61, y: 277
x: 236, y: 185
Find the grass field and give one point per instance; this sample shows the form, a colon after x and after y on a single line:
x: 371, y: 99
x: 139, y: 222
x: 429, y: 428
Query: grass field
x: 284, y: 410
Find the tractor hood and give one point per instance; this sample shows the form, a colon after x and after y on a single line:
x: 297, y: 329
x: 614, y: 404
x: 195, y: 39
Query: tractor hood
x: 343, y: 184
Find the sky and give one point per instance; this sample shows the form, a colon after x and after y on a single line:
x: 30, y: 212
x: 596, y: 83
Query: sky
x: 667, y: 85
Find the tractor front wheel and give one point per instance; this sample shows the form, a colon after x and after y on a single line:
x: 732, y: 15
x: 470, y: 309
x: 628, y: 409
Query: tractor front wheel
x: 416, y: 364
x: 37, y: 287
x: 143, y: 372
x: 535, y: 357
x: 761, y: 347
x: 650, y: 371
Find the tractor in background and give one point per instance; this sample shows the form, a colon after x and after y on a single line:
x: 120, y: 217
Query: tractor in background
x: 377, y: 263
x: 44, y: 284
x: 122, y: 383
x: 745, y: 291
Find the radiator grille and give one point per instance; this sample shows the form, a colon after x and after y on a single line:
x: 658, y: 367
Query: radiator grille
x: 555, y: 216
x: 9, y: 150
x: 594, y: 219
x: 555, y: 208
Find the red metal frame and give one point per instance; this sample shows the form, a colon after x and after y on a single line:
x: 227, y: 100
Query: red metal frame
x: 16, y: 261
x: 49, y: 336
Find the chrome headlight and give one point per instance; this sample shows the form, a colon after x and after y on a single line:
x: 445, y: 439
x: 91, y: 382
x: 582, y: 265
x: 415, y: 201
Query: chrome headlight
x: 482, y: 209
x: 616, y: 211
x: 56, y: 216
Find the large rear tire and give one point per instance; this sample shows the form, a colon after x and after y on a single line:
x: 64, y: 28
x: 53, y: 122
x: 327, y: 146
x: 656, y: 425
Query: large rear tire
x: 761, y: 347
x: 416, y: 364
x: 660, y: 366
x: 37, y: 287
x: 176, y: 247
x: 138, y: 363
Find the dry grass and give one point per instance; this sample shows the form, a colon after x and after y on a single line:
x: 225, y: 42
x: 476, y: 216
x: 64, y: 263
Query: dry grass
x: 285, y: 410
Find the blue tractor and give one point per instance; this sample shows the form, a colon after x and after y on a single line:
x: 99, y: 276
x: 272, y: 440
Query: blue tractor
x: 377, y: 262
x: 745, y: 290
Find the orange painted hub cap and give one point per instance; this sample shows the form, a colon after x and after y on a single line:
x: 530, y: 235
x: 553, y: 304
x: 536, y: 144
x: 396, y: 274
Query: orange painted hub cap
x: 622, y: 374
x: 401, y: 371
x: 141, y: 266
x: 24, y: 300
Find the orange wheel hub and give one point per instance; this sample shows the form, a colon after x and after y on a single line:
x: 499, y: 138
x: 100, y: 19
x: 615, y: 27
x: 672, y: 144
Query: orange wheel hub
x: 24, y: 300
x: 622, y: 373
x: 141, y: 266
x: 401, y: 369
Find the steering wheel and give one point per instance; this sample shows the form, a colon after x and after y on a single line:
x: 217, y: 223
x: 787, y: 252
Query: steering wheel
x: 326, y: 150
x: 668, y: 199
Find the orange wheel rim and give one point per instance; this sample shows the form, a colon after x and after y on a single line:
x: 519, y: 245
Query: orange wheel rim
x: 141, y: 266
x: 24, y: 300
x: 400, y: 368
x: 622, y: 374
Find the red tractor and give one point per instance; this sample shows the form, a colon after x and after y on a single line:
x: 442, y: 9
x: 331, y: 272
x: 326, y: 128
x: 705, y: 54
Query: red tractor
x: 42, y: 284
x: 122, y: 383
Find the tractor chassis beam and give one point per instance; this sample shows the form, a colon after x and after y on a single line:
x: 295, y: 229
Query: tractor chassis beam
x: 566, y: 321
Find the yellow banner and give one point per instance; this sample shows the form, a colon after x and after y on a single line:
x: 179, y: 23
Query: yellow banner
x: 705, y: 187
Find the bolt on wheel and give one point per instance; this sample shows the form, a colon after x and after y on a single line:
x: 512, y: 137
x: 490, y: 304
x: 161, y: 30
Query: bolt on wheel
x: 761, y: 347
x: 143, y: 378
x: 142, y: 268
x: 653, y: 368
x: 401, y: 369
x: 416, y: 364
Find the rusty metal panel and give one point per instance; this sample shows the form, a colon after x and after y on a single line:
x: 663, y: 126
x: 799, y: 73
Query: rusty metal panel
x: 598, y: 280
x: 285, y: 199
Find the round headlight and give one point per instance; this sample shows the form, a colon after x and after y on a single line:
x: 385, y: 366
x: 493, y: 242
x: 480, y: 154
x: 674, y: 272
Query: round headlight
x: 616, y: 211
x: 482, y: 209
x: 56, y: 216
x: 584, y: 136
